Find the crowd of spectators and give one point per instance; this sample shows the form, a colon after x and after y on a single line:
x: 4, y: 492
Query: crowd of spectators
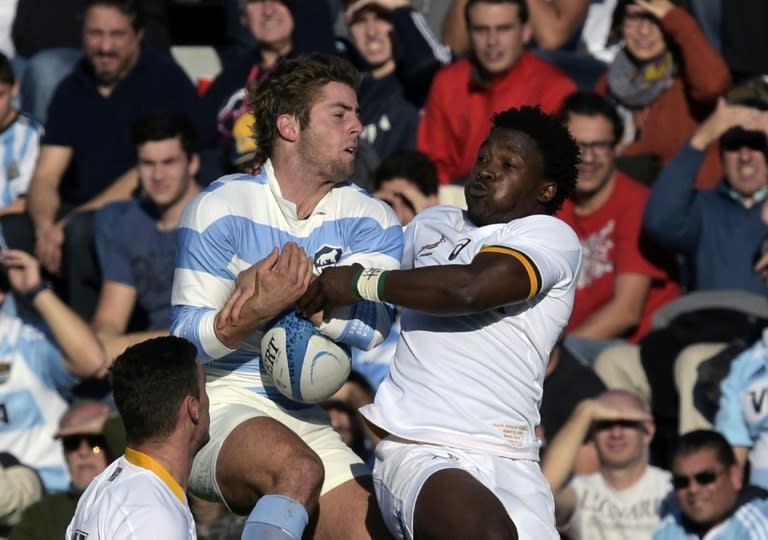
x: 105, y: 136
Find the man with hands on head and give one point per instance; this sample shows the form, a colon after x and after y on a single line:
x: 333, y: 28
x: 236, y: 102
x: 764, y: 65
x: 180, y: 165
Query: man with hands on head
x: 718, y: 230
x: 458, y: 459
x: 625, y: 497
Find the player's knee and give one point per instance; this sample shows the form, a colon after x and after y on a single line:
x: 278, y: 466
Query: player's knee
x: 302, y: 479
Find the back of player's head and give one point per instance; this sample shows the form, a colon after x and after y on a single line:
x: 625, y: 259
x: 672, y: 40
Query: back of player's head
x: 558, y: 149
x: 132, y: 9
x: 522, y: 8
x: 7, y: 75
x: 150, y: 381
x: 293, y: 88
x: 163, y: 125
x: 592, y: 104
x: 411, y: 165
x: 701, y: 439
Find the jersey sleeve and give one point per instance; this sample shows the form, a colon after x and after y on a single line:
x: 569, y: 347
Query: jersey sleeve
x: 203, y: 278
x: 379, y: 244
x: 546, y: 247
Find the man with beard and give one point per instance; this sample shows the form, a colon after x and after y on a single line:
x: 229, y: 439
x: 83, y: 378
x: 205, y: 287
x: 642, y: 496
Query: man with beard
x: 626, y: 497
x: 624, y: 276
x: 279, y: 461
x: 87, y: 158
x: 486, y: 294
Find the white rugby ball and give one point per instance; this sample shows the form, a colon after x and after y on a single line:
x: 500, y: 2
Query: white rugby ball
x: 305, y: 365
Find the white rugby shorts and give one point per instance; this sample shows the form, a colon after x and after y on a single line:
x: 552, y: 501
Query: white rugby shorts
x: 402, y: 467
x: 231, y: 406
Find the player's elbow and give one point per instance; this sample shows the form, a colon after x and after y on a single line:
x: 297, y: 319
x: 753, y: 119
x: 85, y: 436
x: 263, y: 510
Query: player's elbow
x: 470, y: 299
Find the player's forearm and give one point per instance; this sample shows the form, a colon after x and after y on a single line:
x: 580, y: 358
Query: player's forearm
x: 232, y: 336
x: 84, y: 355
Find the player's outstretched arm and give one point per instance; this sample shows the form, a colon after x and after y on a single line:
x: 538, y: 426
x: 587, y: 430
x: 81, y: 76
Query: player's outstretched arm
x: 489, y: 281
x: 263, y: 292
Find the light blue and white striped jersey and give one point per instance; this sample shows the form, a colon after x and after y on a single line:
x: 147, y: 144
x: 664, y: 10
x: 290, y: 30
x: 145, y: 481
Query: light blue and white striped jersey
x: 19, y: 148
x: 236, y: 222
x: 742, y: 417
x: 33, y: 381
x: 749, y: 522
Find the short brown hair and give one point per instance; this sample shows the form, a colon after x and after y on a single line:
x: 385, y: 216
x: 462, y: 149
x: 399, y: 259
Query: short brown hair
x: 293, y: 88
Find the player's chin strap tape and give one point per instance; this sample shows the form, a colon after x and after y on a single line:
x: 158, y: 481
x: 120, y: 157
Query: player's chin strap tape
x: 369, y: 284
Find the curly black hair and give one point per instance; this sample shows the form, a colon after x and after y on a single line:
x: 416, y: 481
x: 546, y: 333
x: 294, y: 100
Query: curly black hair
x: 560, y: 152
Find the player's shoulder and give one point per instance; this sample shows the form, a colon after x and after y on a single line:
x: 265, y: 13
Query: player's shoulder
x: 351, y: 200
x: 224, y: 196
x: 440, y: 212
x: 544, y: 225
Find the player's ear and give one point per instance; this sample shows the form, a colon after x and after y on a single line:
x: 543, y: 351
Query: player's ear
x: 547, y: 192
x: 192, y: 406
x: 288, y: 127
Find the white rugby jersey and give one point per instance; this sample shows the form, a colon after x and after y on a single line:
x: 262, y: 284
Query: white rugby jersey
x: 475, y: 381
x: 135, y: 498
x: 33, y: 383
x: 19, y: 148
x: 236, y: 222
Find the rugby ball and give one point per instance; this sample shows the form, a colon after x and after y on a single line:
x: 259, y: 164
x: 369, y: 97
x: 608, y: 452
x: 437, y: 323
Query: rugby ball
x: 305, y: 365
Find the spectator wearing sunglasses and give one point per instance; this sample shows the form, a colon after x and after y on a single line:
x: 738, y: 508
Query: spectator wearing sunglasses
x: 626, y: 497
x: 713, y: 502
x: 717, y: 231
x: 91, y: 436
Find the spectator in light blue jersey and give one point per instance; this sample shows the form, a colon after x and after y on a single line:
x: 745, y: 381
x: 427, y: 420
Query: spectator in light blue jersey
x: 37, y: 374
x: 19, y: 144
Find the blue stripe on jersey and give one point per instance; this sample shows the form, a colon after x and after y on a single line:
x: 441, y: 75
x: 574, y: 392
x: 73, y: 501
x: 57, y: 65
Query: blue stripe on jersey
x: 46, y: 360
x: 185, y: 321
x: 256, y: 240
x: 24, y: 414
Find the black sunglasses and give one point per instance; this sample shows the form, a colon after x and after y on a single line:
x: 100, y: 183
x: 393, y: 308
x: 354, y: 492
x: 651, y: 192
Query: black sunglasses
x: 703, y: 478
x: 72, y: 442
x: 601, y: 425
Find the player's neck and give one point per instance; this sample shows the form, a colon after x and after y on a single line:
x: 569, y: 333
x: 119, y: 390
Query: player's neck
x: 299, y: 186
x: 173, y: 455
